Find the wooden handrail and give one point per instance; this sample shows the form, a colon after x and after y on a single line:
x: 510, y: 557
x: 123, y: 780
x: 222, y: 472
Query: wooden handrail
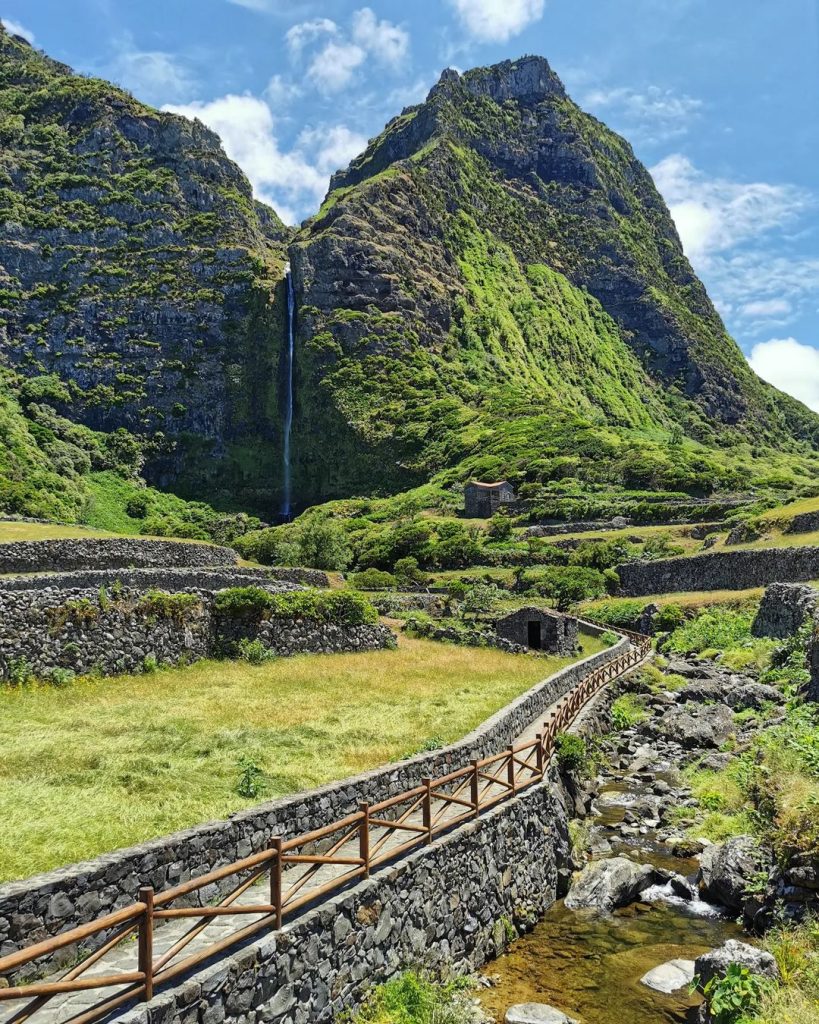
x: 512, y: 772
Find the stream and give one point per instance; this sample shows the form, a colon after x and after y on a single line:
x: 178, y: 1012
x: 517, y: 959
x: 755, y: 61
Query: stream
x: 588, y: 965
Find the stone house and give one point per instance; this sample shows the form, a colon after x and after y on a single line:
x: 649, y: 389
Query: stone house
x: 540, y: 629
x: 483, y: 500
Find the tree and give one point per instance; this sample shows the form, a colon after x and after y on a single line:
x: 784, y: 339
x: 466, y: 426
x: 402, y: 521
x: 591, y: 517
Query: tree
x: 323, y: 545
x: 481, y: 598
x: 408, y: 574
x: 500, y: 527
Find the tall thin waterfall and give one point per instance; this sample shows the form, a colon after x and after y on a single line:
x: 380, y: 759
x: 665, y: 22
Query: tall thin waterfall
x: 288, y: 408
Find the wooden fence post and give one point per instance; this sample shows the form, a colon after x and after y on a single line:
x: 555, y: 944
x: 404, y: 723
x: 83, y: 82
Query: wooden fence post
x: 510, y: 771
x: 539, y: 754
x: 276, y: 881
x: 476, y: 795
x: 146, y: 941
x: 427, y: 809
x: 364, y: 837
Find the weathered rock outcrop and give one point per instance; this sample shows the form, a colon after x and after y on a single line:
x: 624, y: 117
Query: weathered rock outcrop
x: 607, y: 884
x: 716, y: 963
x: 783, y: 609
x: 727, y: 870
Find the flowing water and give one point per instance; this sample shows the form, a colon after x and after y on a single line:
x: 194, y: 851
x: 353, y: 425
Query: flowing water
x: 288, y: 407
x: 590, y: 966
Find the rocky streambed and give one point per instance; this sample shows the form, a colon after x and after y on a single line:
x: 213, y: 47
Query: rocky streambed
x: 648, y: 905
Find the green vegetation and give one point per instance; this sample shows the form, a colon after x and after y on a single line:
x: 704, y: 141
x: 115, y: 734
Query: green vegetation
x: 570, y: 751
x: 418, y: 998
x: 734, y: 997
x: 344, y: 607
x: 167, y: 745
x: 626, y: 711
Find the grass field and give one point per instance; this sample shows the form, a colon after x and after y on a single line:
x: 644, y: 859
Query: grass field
x: 686, y: 599
x: 107, y: 763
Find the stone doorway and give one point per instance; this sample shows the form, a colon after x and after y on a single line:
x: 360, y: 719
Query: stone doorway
x: 534, y: 639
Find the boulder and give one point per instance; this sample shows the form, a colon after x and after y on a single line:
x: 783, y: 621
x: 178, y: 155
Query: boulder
x: 687, y: 669
x: 536, y: 1013
x: 716, y: 963
x: 669, y: 977
x: 783, y: 609
x: 703, y: 727
x: 753, y: 696
x: 727, y: 868
x: 607, y: 884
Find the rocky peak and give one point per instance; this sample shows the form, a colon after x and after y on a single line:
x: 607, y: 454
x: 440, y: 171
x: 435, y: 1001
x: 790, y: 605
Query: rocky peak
x: 529, y: 80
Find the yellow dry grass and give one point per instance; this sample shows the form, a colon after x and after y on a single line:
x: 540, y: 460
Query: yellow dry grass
x: 106, y: 763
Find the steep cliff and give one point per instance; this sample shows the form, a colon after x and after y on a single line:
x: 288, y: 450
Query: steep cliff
x: 492, y: 278
x: 136, y: 266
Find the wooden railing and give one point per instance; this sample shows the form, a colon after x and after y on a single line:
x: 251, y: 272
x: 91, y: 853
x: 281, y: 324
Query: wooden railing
x: 346, y: 850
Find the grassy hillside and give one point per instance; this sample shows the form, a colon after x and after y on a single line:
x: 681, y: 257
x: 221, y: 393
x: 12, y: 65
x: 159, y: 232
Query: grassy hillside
x: 495, y: 288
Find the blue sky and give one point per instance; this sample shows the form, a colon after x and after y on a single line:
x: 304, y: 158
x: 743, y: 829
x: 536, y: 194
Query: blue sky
x: 720, y: 99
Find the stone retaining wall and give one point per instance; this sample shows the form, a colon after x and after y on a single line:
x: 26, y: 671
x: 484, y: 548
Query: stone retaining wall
x: 169, y: 579
x: 35, y: 908
x: 108, y: 553
x: 783, y: 609
x: 446, y: 904
x: 54, y: 629
x: 722, y: 570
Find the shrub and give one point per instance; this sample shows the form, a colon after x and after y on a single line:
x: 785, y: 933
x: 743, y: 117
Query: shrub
x: 251, y: 778
x: 373, y: 579
x: 715, y: 628
x: 254, y: 651
x: 408, y: 573
x: 157, y: 604
x: 150, y: 664
x: 137, y: 507
x: 244, y: 602
x: 734, y: 997
x: 566, y: 585
x: 416, y: 998
x: 499, y: 527
x: 609, y: 638
x: 61, y: 677
x: 481, y: 598
x: 627, y: 710
x: 570, y: 751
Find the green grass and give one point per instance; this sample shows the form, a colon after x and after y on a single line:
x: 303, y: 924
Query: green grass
x: 111, y: 762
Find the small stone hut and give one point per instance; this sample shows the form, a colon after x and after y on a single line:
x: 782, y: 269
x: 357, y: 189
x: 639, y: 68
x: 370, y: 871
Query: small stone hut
x: 540, y: 629
x: 483, y: 500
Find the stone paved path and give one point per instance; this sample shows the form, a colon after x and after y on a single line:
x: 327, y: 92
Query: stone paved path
x: 64, y: 1008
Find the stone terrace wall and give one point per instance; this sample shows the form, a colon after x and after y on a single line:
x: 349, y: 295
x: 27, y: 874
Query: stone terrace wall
x: 108, y: 553
x: 170, y: 579
x: 72, y: 630
x: 35, y: 908
x: 723, y: 570
x: 444, y: 904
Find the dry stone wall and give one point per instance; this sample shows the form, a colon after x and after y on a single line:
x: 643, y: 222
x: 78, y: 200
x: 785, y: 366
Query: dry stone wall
x: 35, y: 908
x: 76, y: 630
x: 446, y: 904
x: 722, y: 570
x: 171, y: 580
x: 108, y: 553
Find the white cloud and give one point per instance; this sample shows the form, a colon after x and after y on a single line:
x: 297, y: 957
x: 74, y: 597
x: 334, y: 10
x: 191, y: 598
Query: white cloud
x: 334, y: 67
x: 497, y: 20
x: 333, y: 147
x: 306, y: 32
x: 294, y: 181
x: 16, y: 29
x: 767, y: 308
x: 790, y: 366
x: 650, y: 115
x: 388, y: 43
x: 279, y: 91
x: 335, y: 64
x: 714, y: 214
x: 152, y: 75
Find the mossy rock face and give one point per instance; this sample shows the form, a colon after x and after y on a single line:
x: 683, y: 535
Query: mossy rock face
x: 498, y: 270
x: 138, y: 271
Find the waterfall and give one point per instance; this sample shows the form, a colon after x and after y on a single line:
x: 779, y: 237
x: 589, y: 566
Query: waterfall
x: 288, y: 408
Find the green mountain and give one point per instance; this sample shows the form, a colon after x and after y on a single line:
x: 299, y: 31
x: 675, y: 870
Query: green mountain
x: 138, y: 272
x: 496, y: 285
x: 493, y: 288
